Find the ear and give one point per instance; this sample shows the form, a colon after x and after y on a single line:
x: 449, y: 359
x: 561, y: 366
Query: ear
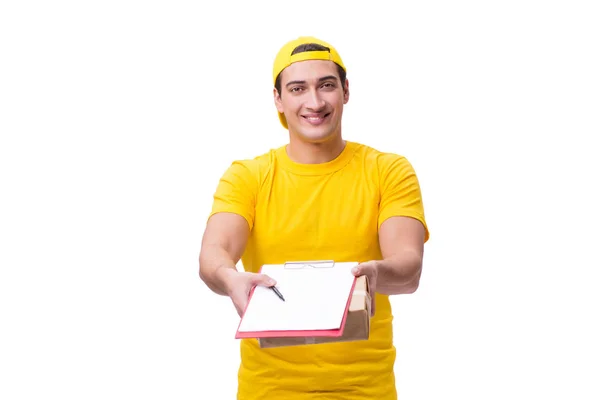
x: 346, y: 91
x: 277, y: 100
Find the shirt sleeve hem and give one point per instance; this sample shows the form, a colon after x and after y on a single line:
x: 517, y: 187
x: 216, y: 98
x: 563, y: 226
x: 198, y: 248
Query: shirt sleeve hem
x: 404, y: 213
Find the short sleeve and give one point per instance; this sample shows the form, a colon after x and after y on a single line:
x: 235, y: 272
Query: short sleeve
x: 399, y: 190
x: 236, y: 191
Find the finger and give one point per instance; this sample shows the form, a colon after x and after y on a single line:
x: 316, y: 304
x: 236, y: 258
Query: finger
x: 362, y: 268
x: 373, y: 306
x: 263, y: 280
x: 238, y: 307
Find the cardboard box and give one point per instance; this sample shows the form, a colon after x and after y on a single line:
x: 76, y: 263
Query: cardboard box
x: 357, y: 326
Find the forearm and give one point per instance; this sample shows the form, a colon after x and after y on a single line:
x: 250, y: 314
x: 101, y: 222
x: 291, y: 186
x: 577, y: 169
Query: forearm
x: 216, y: 265
x: 399, y: 274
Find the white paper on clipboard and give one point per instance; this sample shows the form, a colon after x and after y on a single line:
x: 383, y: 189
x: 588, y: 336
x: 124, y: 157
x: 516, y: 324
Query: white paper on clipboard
x: 316, y: 295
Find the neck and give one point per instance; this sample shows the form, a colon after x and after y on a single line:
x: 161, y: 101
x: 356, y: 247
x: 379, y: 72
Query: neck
x: 315, y: 153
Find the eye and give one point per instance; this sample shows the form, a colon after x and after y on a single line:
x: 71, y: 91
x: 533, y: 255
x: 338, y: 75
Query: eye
x: 295, y: 89
x: 328, y: 85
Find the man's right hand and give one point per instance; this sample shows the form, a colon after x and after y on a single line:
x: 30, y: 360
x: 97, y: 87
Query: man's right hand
x: 239, y: 285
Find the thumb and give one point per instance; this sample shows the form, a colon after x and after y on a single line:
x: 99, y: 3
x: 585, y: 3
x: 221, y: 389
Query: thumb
x: 263, y: 280
x: 363, y: 268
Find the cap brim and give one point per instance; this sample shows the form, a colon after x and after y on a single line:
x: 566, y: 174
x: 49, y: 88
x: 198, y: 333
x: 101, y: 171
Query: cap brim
x: 282, y: 120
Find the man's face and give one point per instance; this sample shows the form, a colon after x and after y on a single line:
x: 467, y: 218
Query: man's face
x: 312, y: 99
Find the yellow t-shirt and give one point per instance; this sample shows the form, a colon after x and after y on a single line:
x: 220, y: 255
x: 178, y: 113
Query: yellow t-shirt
x: 320, y: 211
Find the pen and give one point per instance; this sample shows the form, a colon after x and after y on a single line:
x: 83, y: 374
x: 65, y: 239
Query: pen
x: 277, y: 292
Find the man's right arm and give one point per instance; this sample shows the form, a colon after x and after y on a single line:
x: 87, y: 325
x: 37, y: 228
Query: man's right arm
x: 223, y: 244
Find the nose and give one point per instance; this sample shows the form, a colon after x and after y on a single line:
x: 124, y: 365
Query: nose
x: 314, y: 101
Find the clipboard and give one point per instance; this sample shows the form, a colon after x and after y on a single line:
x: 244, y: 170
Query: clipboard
x: 310, y: 280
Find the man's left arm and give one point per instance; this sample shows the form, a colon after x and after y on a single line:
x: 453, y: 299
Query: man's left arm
x: 401, y: 240
x: 402, y: 230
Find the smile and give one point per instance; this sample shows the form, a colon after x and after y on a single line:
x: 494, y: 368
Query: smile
x: 316, y: 119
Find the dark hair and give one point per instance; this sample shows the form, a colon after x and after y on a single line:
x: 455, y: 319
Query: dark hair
x: 311, y: 47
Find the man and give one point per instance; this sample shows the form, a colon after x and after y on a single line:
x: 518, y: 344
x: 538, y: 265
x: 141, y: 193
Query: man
x: 318, y: 197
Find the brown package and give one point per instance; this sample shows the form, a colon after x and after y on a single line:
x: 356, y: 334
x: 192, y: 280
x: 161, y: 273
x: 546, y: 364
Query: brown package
x: 357, y: 322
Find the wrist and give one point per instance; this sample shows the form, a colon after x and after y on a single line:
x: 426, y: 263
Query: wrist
x: 379, y: 265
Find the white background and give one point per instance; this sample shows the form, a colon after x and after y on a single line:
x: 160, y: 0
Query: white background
x: 118, y: 117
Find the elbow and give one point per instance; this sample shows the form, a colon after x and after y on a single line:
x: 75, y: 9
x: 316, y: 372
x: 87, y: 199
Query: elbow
x: 402, y: 273
x: 412, y: 286
x: 201, y: 269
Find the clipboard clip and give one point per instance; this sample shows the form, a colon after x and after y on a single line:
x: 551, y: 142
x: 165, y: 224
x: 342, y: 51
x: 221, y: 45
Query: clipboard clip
x: 309, y: 264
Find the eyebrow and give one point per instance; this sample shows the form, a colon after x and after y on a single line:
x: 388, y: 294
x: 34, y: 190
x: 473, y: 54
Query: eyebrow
x: 325, y: 78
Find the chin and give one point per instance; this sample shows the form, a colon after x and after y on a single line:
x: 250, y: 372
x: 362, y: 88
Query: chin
x: 316, y: 137
x: 318, y: 134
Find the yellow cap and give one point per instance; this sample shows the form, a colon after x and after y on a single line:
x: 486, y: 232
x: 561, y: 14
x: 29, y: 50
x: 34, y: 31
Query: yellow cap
x: 285, y: 58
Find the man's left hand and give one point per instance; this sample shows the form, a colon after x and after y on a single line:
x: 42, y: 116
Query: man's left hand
x: 368, y: 269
